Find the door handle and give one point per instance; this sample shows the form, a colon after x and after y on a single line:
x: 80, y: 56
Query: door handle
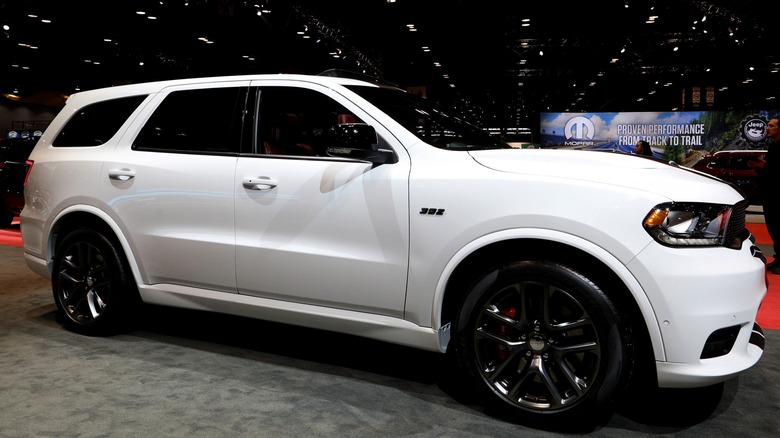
x: 262, y: 183
x: 122, y: 174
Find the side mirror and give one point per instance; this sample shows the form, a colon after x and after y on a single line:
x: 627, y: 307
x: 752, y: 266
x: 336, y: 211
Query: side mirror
x: 358, y: 141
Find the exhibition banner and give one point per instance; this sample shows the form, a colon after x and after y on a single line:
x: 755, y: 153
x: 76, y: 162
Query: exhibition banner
x: 681, y: 136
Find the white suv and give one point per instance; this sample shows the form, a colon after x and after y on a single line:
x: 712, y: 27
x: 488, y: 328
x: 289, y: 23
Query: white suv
x: 554, y: 277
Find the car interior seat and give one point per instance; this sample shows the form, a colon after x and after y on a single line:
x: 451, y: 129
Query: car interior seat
x: 282, y: 136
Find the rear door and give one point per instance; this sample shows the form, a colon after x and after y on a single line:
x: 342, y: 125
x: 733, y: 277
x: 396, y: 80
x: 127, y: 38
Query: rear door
x: 170, y: 184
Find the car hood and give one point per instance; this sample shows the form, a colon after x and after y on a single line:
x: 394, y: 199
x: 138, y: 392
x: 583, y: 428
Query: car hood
x: 678, y: 183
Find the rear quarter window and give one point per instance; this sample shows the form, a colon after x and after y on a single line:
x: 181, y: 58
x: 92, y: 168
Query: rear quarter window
x: 96, y: 124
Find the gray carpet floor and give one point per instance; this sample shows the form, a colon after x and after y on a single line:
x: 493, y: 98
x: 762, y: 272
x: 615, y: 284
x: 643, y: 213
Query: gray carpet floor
x: 189, y: 374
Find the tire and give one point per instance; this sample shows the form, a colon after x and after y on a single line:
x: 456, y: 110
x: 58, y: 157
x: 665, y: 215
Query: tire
x: 92, y: 285
x: 541, y: 343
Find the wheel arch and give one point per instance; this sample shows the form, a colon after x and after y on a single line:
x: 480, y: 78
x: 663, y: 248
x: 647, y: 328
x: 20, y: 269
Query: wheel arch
x: 606, y: 271
x: 86, y: 216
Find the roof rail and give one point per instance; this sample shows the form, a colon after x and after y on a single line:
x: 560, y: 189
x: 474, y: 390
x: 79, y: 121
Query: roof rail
x: 340, y: 73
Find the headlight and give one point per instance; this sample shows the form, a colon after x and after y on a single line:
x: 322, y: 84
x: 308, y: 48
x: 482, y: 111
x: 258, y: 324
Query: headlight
x: 689, y: 224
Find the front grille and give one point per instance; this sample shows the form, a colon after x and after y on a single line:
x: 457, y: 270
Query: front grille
x: 736, y: 232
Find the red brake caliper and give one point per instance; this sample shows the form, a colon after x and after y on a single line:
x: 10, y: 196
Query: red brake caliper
x: 504, y: 330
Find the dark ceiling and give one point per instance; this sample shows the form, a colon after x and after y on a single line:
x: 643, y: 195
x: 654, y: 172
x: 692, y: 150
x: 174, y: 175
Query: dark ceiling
x: 482, y: 57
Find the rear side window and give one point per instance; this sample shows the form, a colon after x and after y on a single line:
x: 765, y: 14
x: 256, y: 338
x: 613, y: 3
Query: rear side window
x: 195, y: 121
x: 95, y: 124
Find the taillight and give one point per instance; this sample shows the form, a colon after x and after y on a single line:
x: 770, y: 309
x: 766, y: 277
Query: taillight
x: 29, y: 168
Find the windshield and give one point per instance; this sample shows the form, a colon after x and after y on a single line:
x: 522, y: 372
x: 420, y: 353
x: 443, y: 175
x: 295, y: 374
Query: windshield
x: 429, y: 122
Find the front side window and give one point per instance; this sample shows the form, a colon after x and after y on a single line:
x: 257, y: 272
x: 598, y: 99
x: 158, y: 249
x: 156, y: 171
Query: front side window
x: 95, y: 124
x: 297, y: 121
x: 429, y: 122
x: 204, y: 121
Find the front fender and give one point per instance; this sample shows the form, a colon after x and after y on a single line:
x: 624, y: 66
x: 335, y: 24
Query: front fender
x: 604, y: 257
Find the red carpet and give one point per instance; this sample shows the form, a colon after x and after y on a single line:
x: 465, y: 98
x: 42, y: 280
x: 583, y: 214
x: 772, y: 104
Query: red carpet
x: 11, y: 236
x: 768, y: 314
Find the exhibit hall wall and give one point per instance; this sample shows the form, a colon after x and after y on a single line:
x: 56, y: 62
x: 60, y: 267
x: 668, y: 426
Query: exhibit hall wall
x: 22, y: 119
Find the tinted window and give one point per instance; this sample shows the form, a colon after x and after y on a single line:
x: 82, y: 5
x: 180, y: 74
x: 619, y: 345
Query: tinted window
x: 298, y: 121
x: 95, y: 124
x: 200, y: 121
x: 428, y: 121
x: 718, y: 163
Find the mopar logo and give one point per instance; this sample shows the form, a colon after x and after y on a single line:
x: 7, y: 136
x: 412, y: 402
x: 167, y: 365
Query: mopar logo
x: 579, y: 128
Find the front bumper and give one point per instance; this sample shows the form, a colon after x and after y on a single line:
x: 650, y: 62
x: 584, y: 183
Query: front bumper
x: 705, y: 302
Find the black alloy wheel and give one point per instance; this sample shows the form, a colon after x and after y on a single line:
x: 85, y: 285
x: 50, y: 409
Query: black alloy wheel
x: 90, y: 283
x: 541, y: 341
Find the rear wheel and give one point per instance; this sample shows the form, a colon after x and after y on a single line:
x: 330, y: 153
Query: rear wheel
x: 541, y: 342
x: 91, y: 283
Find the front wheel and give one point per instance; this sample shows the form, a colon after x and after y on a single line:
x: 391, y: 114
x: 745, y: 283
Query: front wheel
x: 542, y: 342
x: 92, y: 287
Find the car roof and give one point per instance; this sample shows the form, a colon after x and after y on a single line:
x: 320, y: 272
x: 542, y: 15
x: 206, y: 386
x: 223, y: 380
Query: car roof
x: 157, y: 86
